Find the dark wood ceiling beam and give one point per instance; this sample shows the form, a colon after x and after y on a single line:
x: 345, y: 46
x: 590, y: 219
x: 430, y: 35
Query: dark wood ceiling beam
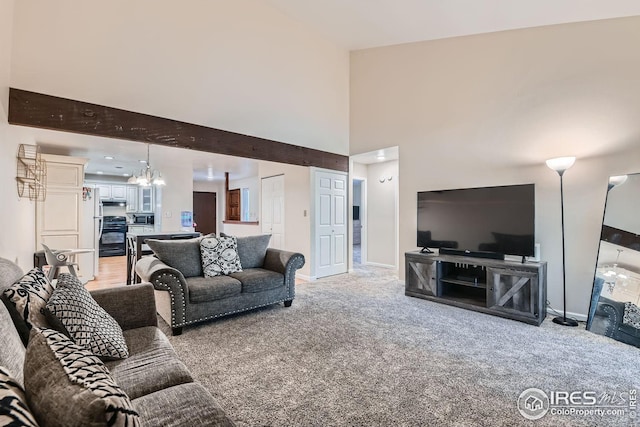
x: 52, y: 112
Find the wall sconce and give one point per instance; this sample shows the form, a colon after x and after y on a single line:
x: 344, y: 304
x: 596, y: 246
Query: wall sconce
x: 31, y: 174
x: 385, y: 178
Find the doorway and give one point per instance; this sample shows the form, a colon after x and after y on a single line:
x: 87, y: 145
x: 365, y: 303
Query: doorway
x: 358, y: 219
x: 204, y: 212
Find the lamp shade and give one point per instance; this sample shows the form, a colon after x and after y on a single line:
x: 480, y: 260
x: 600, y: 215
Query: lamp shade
x: 561, y: 164
x: 617, y: 180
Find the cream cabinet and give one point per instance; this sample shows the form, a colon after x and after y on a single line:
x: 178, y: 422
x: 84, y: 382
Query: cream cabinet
x: 112, y: 191
x: 59, y: 217
x: 118, y: 192
x: 132, y: 198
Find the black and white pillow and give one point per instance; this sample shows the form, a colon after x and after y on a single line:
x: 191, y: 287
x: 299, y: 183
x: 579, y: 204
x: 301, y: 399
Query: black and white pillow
x: 29, y: 295
x: 87, y: 324
x: 219, y: 256
x: 14, y: 410
x: 58, y: 370
x: 631, y: 315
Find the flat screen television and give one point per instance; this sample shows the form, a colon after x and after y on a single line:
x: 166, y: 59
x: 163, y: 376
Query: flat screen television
x: 478, y: 221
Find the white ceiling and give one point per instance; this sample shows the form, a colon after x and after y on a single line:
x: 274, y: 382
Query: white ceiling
x: 351, y: 24
x: 359, y: 24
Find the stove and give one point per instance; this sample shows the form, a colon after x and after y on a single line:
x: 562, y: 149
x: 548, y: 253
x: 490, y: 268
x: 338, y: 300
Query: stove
x: 113, y: 239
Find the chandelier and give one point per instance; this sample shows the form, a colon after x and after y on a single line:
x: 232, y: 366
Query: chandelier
x: 147, y: 176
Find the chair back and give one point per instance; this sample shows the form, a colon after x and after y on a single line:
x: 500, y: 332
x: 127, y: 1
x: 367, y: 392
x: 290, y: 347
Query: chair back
x: 52, y: 258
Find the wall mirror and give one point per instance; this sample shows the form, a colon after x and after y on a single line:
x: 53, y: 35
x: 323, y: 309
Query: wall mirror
x: 615, y: 298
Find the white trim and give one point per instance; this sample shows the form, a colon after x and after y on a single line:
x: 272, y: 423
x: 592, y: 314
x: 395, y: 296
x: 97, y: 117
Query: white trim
x: 307, y: 278
x: 377, y: 264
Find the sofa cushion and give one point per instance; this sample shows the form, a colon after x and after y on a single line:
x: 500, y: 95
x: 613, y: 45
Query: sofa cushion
x: 259, y: 279
x: 151, y: 366
x: 11, y: 346
x: 219, y: 256
x: 202, y: 289
x: 29, y: 295
x: 14, y: 410
x: 252, y: 249
x: 182, y: 405
x: 181, y: 254
x: 86, y: 323
x: 66, y: 385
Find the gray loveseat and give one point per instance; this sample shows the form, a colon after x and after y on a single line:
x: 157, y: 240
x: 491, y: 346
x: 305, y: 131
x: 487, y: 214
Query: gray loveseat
x: 184, y: 296
x: 161, y: 389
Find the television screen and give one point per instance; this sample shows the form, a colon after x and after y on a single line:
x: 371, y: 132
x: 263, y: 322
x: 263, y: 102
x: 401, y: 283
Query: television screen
x: 489, y: 219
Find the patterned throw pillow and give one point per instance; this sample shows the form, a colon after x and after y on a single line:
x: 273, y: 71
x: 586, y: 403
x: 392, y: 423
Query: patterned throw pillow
x: 631, y: 315
x: 29, y: 295
x: 13, y: 404
x: 219, y: 256
x: 87, y: 324
x: 66, y: 385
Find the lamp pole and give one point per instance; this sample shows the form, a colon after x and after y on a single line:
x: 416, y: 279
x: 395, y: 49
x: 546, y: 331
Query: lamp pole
x: 560, y: 165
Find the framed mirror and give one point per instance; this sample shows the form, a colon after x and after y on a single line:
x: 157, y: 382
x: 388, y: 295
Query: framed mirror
x: 615, y: 298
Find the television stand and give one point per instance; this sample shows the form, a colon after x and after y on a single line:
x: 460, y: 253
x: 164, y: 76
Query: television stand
x: 502, y: 288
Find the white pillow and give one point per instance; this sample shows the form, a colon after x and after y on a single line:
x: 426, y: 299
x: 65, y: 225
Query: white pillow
x: 219, y: 256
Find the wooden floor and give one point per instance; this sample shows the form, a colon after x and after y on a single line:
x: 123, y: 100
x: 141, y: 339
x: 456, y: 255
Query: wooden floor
x: 112, y: 271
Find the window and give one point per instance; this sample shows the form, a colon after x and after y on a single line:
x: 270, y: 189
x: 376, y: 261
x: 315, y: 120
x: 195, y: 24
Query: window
x: 244, y: 205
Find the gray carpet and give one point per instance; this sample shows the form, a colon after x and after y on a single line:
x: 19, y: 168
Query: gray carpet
x: 353, y: 350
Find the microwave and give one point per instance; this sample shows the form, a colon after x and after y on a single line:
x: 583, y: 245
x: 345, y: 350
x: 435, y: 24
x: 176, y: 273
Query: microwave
x: 143, y: 219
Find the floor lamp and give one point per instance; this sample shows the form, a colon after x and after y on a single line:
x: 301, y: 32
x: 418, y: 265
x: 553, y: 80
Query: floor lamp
x: 560, y: 165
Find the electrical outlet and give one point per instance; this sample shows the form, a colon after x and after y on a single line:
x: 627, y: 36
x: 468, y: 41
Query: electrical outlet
x: 167, y: 214
x: 304, y: 213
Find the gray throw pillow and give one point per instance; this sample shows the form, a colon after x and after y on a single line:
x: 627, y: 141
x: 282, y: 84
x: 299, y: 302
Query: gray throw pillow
x: 14, y: 410
x: 181, y: 254
x: 219, y: 256
x: 85, y: 322
x: 252, y: 249
x: 66, y: 385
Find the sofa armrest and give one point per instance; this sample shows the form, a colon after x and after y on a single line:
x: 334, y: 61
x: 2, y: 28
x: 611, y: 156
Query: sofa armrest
x: 165, y: 278
x: 607, y: 317
x: 131, y: 306
x: 285, y: 263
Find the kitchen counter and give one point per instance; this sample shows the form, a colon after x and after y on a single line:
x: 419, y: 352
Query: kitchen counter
x: 135, y: 240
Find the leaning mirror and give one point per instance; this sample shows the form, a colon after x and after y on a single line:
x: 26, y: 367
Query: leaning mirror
x: 615, y: 298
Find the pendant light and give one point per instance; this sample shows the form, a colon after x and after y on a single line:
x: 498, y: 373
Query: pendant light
x: 147, y: 176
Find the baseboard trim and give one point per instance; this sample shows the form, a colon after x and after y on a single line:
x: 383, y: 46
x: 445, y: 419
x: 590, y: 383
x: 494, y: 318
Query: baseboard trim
x: 307, y: 278
x: 377, y: 264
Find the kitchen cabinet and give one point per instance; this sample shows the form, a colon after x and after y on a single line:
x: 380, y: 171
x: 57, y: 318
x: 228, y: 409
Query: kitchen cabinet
x: 59, y: 216
x: 112, y: 191
x: 146, y: 199
x: 132, y: 198
x: 105, y: 191
x: 118, y: 192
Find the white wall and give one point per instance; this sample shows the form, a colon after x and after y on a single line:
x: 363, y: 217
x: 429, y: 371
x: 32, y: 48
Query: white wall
x: 382, y: 244
x: 238, y: 65
x: 490, y: 109
x: 177, y: 195
x: 17, y: 216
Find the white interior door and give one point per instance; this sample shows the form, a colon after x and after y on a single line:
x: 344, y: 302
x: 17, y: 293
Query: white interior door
x: 273, y: 210
x: 330, y: 223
